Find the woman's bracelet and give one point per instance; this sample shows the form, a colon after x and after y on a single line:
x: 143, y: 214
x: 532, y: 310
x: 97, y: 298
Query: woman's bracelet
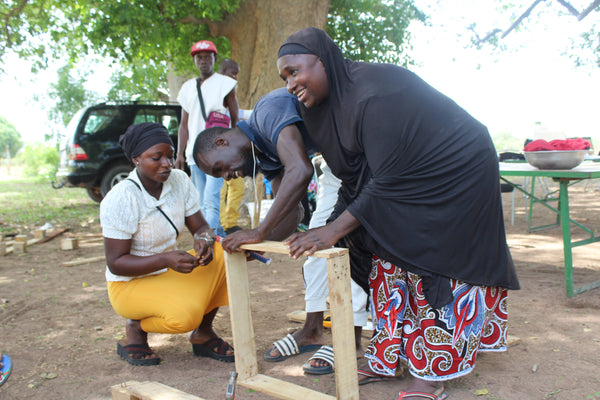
x: 206, y: 236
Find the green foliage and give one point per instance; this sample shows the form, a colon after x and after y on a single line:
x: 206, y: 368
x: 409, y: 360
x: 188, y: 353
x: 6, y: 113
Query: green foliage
x: 123, y: 30
x: 27, y: 204
x: 372, y: 30
x: 506, y: 141
x: 147, y: 38
x: 139, y: 80
x: 69, y: 94
x: 9, y: 137
x: 39, y: 161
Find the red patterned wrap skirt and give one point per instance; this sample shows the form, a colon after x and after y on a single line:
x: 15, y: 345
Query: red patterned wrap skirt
x: 436, y: 344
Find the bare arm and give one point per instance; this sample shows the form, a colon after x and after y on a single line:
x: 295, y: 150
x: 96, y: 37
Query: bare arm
x: 283, y: 216
x: 232, y: 104
x: 323, y: 237
x: 120, y: 261
x: 182, y: 139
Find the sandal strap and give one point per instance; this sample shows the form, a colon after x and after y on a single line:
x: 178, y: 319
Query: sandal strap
x: 324, y: 353
x: 218, y: 346
x: 138, y: 351
x: 424, y: 395
x: 287, y: 346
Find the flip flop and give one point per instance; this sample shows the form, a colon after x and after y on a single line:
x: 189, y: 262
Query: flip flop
x: 134, y: 354
x: 6, y: 369
x: 370, y: 377
x: 288, y: 347
x: 324, y: 353
x: 439, y: 394
x: 215, y: 348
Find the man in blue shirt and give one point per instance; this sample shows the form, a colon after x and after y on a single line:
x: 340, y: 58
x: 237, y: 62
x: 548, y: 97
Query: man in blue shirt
x: 275, y: 142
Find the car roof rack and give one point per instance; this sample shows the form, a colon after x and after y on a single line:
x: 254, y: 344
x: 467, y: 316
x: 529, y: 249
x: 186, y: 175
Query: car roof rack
x: 137, y: 102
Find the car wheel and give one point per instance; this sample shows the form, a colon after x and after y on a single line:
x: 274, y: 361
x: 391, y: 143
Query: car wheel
x: 113, y: 176
x: 95, y: 194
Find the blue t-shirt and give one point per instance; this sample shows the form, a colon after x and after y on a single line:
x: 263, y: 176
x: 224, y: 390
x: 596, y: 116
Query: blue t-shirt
x: 273, y: 112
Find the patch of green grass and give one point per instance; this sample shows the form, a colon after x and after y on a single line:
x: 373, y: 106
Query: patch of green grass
x: 26, y: 205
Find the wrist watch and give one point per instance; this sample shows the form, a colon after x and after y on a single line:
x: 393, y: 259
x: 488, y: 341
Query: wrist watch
x: 206, y: 236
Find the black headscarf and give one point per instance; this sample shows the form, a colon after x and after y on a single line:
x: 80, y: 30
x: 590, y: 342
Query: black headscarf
x: 139, y: 138
x: 418, y: 172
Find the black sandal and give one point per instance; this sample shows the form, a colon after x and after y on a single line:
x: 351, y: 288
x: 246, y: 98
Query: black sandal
x: 135, y: 354
x: 215, y: 348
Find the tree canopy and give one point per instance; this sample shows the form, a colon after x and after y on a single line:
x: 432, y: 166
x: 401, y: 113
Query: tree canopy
x: 147, y: 35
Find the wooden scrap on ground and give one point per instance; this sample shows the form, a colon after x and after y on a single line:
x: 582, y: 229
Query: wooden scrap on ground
x: 19, y: 247
x: 39, y: 233
x: 134, y: 390
x: 53, y: 235
x: 69, y: 244
x: 82, y: 261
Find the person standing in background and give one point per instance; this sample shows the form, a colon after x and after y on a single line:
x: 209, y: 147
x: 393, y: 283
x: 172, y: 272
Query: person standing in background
x: 232, y: 190
x: 218, y: 95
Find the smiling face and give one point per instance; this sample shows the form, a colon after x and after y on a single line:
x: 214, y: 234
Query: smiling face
x: 305, y: 78
x: 227, y: 161
x: 155, y: 163
x: 205, y: 62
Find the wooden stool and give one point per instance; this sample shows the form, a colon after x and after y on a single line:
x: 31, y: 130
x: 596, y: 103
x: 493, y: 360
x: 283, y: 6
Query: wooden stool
x: 342, y: 329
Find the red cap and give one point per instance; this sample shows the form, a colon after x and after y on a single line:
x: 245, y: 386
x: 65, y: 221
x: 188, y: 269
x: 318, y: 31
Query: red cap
x: 203, y: 45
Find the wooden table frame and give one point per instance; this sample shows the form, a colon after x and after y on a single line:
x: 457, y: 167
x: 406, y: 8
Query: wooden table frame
x: 564, y: 178
x: 342, y: 329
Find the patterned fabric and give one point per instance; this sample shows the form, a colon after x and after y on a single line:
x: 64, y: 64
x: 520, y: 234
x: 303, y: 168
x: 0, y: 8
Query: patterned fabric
x: 437, y: 344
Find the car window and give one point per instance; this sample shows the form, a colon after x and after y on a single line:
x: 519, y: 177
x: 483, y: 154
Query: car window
x: 165, y: 116
x: 99, y: 119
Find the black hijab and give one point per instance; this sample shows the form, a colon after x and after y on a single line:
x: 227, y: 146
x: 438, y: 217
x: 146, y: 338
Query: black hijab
x: 418, y: 172
x: 139, y: 138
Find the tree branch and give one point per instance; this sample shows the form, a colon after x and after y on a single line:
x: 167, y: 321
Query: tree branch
x: 18, y: 9
x: 588, y: 10
x: 190, y: 19
x: 569, y: 7
x: 521, y: 18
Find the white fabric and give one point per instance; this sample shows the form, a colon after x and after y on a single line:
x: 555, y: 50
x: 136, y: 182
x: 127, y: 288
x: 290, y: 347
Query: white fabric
x: 315, y: 268
x: 287, y: 346
x: 324, y: 353
x: 128, y: 213
x: 214, y: 91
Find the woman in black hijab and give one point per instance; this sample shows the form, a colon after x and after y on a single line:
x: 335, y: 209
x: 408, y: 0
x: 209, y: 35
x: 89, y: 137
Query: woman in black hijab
x: 151, y: 283
x: 420, y: 193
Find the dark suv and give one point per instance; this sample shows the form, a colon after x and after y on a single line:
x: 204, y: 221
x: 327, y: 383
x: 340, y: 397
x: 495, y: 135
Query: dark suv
x: 90, y: 155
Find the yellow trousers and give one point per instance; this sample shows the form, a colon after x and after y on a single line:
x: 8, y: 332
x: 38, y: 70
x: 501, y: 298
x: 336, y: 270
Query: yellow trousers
x: 172, y: 302
x: 232, y: 192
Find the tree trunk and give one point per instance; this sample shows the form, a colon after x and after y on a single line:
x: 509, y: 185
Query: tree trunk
x: 256, y: 32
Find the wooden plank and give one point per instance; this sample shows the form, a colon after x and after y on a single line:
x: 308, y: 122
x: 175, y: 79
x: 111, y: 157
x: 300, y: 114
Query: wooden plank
x: 19, y: 247
x: 39, y: 233
x: 338, y: 267
x: 240, y: 313
x: 31, y: 242
x: 69, y: 244
x: 282, y: 389
x: 134, y: 390
x: 53, y: 235
x: 342, y: 327
x: 280, y: 248
x: 82, y: 261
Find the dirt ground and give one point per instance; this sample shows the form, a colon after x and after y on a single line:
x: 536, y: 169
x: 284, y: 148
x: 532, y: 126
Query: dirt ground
x: 59, y: 328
